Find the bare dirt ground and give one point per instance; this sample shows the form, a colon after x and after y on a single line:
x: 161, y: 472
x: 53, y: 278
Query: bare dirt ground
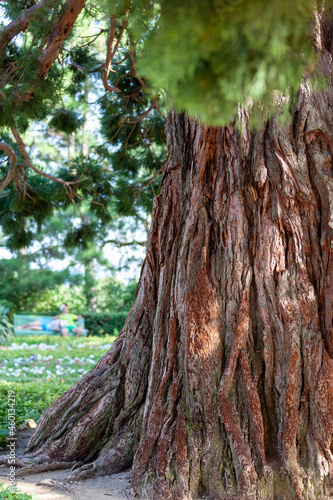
x: 53, y: 485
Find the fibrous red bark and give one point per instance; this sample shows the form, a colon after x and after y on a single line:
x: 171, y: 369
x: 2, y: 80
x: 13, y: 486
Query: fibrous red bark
x: 221, y: 381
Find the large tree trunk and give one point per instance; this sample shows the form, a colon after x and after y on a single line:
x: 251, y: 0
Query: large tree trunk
x: 221, y: 382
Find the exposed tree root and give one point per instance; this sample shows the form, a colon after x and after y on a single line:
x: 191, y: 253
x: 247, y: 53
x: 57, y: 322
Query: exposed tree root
x: 38, y: 468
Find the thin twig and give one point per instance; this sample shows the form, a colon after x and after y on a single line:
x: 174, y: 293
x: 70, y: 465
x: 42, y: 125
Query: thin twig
x: 109, y: 52
x: 120, y: 244
x: 144, y: 86
x: 90, y: 36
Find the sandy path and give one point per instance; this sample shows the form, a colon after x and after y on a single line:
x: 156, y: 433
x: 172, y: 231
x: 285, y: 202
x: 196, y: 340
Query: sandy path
x: 115, y: 487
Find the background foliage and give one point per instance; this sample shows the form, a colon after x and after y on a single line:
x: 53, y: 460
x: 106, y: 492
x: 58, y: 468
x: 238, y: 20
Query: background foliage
x: 6, y: 327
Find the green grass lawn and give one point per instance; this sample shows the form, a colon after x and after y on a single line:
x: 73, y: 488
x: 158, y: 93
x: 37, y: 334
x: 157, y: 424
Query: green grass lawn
x: 39, y: 368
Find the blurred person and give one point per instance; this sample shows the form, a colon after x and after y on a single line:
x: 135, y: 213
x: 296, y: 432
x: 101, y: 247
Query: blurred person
x: 69, y: 318
x: 45, y: 324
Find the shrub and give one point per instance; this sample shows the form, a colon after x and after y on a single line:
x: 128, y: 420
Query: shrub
x: 6, y: 328
x: 103, y: 323
x: 9, y: 494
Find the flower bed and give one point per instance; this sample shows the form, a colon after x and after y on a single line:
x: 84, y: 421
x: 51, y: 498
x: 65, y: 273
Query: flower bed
x: 40, y: 372
x: 33, y: 364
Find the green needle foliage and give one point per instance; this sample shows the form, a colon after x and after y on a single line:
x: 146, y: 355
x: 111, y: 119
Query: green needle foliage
x: 65, y: 121
x: 126, y: 63
x: 211, y: 56
x: 116, y: 173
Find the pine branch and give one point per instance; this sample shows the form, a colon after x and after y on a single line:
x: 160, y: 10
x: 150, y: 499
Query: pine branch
x: 28, y: 163
x: 111, y: 51
x: 21, y: 23
x: 66, y: 20
x: 77, y: 66
x: 56, y: 38
x: 109, y: 56
x: 67, y: 184
x: 11, y: 174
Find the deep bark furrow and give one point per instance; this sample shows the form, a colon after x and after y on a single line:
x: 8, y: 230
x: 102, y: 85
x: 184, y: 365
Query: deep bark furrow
x: 255, y: 412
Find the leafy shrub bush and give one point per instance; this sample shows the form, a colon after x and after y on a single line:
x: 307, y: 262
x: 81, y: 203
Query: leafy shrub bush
x: 32, y: 399
x: 7, y: 494
x: 6, y: 328
x: 103, y: 323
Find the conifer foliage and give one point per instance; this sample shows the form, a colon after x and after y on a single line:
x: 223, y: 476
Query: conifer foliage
x: 52, y: 70
x: 206, y: 59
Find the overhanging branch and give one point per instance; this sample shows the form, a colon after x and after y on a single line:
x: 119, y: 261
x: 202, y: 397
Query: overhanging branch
x: 67, y: 184
x: 58, y: 34
x: 111, y: 50
x: 21, y: 23
x: 67, y: 18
